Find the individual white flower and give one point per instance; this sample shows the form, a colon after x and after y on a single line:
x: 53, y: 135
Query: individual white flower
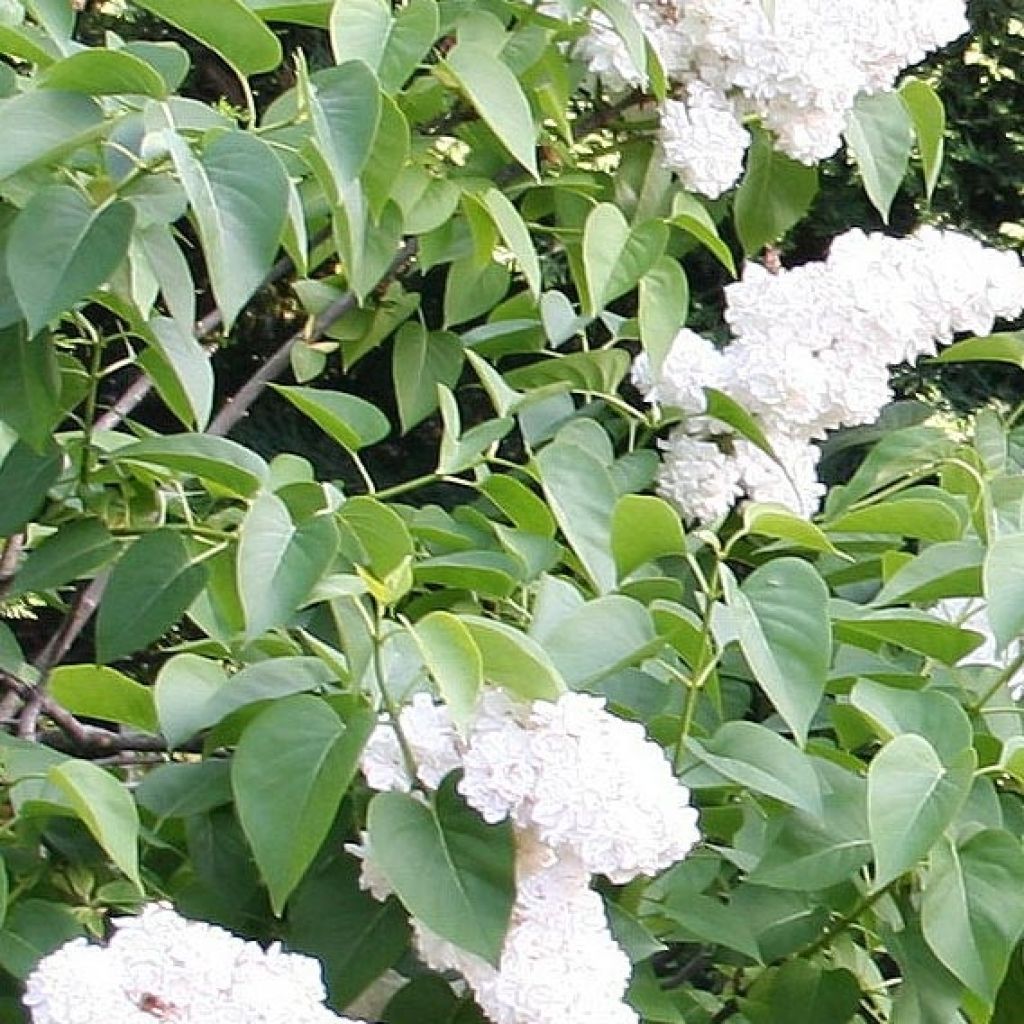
x: 703, y: 140
x: 160, y: 966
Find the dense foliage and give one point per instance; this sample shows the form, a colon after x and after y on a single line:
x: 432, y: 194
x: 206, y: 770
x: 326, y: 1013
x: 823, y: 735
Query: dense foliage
x: 396, y: 723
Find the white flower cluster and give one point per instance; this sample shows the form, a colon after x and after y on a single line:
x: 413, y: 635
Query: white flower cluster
x: 810, y: 353
x: 797, y: 65
x: 972, y: 613
x: 159, y: 966
x: 588, y: 794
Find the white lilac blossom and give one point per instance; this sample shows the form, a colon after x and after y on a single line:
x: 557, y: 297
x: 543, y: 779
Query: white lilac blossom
x: 703, y: 140
x: 160, y: 966
x: 972, y: 613
x: 810, y: 353
x: 559, y: 961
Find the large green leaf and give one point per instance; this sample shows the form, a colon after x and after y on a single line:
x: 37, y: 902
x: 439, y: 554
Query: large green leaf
x: 421, y: 360
x: 513, y: 660
x: 357, y: 941
x: 451, y: 870
x: 644, y: 528
x: 238, y: 191
x: 913, y: 517
x: 781, y: 621
x: 29, y: 385
x: 664, y: 304
x: 802, y: 993
x: 104, y: 72
x: 1007, y: 347
x: 189, y: 373
x: 495, y: 92
x: 150, y: 587
x: 1003, y: 581
x: 880, y: 134
x: 912, y: 798
x: 774, y: 194
x: 60, y: 249
x: 213, y: 459
x: 286, y: 823
x: 279, y: 562
x: 106, y: 807
x: 33, y: 929
x: 184, y: 686
x: 972, y: 908
x: 79, y: 547
x: 227, y: 27
x: 615, y: 255
x: 100, y: 692
x: 952, y: 569
x: 754, y: 756
x: 513, y: 230
x: 25, y: 478
x: 392, y: 43
x: 905, y: 627
x: 582, y: 496
x: 352, y: 422
x: 454, y: 661
x: 44, y: 124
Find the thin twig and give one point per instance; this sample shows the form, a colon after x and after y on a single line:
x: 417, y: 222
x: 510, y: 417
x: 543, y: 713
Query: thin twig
x: 239, y: 404
x: 9, y: 562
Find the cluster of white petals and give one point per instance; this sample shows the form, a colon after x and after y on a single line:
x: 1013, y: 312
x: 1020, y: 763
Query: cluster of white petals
x: 811, y: 352
x: 972, y: 613
x: 559, y: 961
x: 160, y: 966
x: 588, y: 794
x: 797, y: 65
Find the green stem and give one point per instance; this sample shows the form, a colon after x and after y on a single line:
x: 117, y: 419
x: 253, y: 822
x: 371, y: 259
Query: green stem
x: 1001, y: 680
x: 837, y: 928
x: 208, y: 532
x: 409, y: 485
x: 95, y: 365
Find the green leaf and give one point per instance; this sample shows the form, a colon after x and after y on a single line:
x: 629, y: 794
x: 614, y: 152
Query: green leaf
x: 1000, y: 348
x: 495, y: 92
x: 767, y: 520
x: 615, y: 255
x: 149, y: 590
x: 353, y: 422
x: 227, y: 27
x: 972, y: 908
x: 802, y: 993
x: 357, y: 941
x: 880, y: 135
x: 393, y: 45
x: 490, y: 573
x: 519, y: 504
x: 942, y: 570
x: 664, y: 304
x: 582, y: 497
x: 513, y: 660
x: 461, y: 451
x: 105, y: 693
x: 44, y: 124
x: 781, y: 621
x: 107, y: 809
x: 314, y: 13
x: 513, y: 230
x: 754, y: 756
x: 644, y: 528
x: 103, y: 73
x: 280, y: 562
x: 452, y: 871
x: 774, y: 194
x: 184, y: 686
x: 454, y: 661
x: 287, y: 823
x: 910, y: 517
x: 691, y: 216
x: 727, y: 410
x: 216, y: 460
x: 238, y: 191
x: 935, y: 716
x: 25, y: 479
x: 180, y: 789
x: 29, y: 386
x: 381, y: 531
x: 912, y: 798
x: 906, y: 627
x: 600, y: 638
x: 33, y: 929
x: 188, y: 376
x: 1002, y: 576
x: 61, y: 249
x: 421, y: 360
x: 928, y: 117
x: 78, y: 548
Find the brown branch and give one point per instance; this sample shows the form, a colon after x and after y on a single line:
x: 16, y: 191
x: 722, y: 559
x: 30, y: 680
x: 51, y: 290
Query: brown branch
x: 9, y: 562
x: 239, y: 404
